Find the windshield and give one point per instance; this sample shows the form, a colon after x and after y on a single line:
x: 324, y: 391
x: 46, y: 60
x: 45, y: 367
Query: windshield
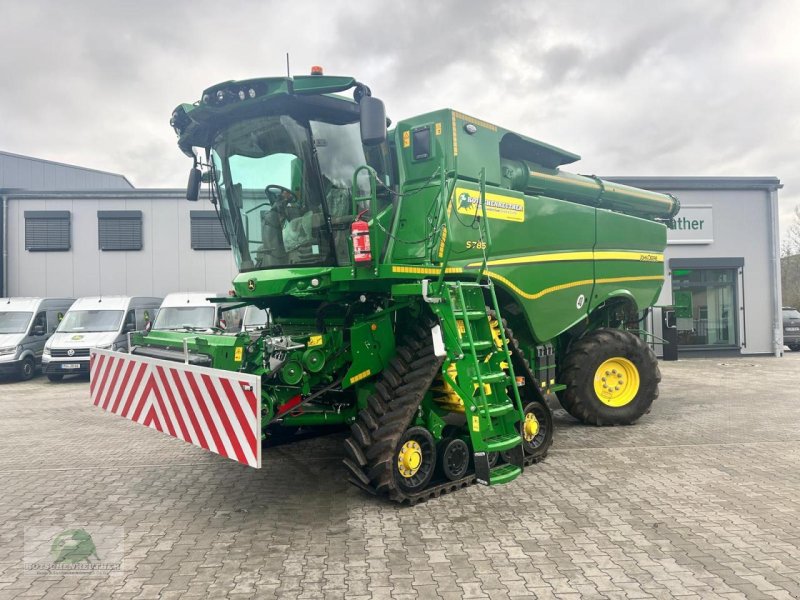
x: 285, y: 203
x: 254, y: 317
x: 85, y: 321
x: 185, y: 317
x: 14, y: 322
x: 791, y: 313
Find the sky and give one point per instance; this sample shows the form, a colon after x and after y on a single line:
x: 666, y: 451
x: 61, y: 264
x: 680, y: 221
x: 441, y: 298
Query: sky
x: 635, y: 87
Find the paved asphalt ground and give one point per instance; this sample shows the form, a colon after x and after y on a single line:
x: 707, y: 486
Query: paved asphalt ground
x: 700, y: 499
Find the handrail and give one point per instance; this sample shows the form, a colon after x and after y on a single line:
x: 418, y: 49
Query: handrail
x: 375, y: 244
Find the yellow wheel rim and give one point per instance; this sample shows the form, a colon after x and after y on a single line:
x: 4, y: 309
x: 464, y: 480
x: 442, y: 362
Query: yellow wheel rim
x: 530, y: 427
x: 616, y: 382
x: 409, y: 459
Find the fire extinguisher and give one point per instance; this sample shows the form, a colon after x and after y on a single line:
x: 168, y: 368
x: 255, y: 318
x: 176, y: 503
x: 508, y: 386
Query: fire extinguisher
x: 359, y: 231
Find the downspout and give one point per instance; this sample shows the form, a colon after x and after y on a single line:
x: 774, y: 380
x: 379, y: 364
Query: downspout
x: 5, y: 246
x: 777, y: 324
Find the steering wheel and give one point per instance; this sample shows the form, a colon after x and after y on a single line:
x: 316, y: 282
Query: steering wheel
x: 275, y: 191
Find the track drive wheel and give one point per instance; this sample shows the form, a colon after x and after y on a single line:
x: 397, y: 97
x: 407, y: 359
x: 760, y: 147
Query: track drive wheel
x: 612, y: 378
x: 537, y: 429
x: 453, y: 458
x: 416, y: 460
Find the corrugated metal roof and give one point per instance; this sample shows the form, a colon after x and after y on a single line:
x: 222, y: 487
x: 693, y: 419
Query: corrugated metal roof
x: 19, y: 172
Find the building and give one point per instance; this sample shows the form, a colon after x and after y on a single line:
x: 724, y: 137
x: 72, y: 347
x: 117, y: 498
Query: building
x: 722, y: 264
x: 71, y: 231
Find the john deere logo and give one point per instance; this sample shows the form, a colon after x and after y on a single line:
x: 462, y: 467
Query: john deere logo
x: 251, y: 284
x: 70, y: 352
x: 73, y: 546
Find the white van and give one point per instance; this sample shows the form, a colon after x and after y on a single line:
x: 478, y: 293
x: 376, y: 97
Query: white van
x: 192, y: 311
x: 255, y: 318
x: 25, y: 326
x: 94, y: 322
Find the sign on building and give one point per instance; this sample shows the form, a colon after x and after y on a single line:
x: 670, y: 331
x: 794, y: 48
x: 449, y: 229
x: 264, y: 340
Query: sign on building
x: 693, y: 225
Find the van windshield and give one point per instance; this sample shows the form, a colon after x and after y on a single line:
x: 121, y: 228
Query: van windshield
x: 254, y: 317
x: 85, y: 321
x: 184, y: 317
x: 14, y: 321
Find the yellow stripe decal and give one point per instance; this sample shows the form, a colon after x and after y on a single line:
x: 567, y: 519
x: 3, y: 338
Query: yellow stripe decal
x: 474, y: 121
x: 650, y: 257
x: 455, y: 136
x: 571, y: 284
x: 360, y: 376
x: 424, y: 270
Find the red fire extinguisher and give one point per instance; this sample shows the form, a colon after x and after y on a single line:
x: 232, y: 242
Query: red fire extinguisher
x: 359, y: 231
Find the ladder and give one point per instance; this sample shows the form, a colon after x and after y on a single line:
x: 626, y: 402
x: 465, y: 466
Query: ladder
x: 478, y: 348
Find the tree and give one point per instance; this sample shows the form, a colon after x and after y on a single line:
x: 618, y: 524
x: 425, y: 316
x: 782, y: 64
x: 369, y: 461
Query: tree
x: 790, y: 245
x: 790, y: 263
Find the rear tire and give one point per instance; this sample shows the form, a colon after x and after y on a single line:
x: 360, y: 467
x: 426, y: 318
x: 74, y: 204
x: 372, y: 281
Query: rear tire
x: 612, y: 378
x: 27, y: 369
x: 55, y: 377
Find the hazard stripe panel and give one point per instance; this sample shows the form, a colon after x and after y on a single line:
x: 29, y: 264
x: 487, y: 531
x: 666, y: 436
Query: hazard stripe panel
x: 210, y: 408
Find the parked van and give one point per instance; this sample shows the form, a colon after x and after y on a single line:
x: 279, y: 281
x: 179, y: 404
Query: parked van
x: 25, y: 326
x: 255, y: 318
x: 94, y: 322
x: 192, y: 311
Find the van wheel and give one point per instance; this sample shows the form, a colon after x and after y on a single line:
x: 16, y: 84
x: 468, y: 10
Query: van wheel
x: 55, y: 377
x: 27, y: 369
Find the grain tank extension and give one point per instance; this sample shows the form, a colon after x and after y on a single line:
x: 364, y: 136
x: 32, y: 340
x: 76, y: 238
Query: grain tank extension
x: 428, y: 286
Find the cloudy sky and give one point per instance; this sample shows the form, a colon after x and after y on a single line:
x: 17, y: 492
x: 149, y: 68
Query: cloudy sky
x: 635, y: 87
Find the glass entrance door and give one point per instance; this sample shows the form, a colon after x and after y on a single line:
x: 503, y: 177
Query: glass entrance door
x: 705, y: 301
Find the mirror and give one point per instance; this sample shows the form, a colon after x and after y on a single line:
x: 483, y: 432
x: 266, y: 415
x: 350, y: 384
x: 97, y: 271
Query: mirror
x: 38, y: 330
x: 373, y: 121
x: 193, y: 187
x: 129, y: 328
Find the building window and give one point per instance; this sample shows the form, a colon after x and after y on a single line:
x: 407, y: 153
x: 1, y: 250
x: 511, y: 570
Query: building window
x: 207, y: 233
x: 705, y: 306
x: 47, y: 230
x: 119, y: 229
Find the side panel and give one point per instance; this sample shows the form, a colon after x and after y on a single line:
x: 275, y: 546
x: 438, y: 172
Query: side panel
x: 214, y: 409
x: 639, y: 271
x: 541, y: 252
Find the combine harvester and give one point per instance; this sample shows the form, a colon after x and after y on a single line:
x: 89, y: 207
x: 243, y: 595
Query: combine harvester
x: 427, y: 287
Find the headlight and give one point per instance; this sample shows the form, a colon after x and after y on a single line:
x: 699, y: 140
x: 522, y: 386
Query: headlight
x: 105, y: 347
x: 46, y: 351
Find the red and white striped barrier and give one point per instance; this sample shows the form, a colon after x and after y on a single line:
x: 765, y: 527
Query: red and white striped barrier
x: 211, y: 408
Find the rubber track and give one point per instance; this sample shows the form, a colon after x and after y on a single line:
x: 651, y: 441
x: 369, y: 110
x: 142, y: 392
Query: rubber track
x: 399, y: 392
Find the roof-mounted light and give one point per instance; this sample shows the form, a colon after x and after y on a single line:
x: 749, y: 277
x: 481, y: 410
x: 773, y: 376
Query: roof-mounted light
x: 316, y: 70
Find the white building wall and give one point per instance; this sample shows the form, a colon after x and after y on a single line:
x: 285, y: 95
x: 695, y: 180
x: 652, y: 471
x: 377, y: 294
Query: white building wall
x: 165, y: 264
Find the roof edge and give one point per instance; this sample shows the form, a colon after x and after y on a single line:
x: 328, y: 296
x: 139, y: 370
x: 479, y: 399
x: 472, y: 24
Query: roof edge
x: 672, y: 183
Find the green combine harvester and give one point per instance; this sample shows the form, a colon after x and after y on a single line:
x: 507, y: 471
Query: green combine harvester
x: 428, y: 285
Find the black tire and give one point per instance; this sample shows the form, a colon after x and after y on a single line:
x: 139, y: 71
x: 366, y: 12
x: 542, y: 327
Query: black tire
x: 421, y: 477
x: 55, y: 377
x: 27, y: 368
x: 794, y: 347
x: 582, y: 365
x: 454, y: 456
x: 538, y: 444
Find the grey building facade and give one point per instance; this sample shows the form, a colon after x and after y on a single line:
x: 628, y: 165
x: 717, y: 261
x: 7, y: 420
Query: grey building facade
x: 722, y: 264
x: 71, y: 231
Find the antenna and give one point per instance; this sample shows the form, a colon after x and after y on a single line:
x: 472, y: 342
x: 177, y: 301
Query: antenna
x: 288, y: 72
